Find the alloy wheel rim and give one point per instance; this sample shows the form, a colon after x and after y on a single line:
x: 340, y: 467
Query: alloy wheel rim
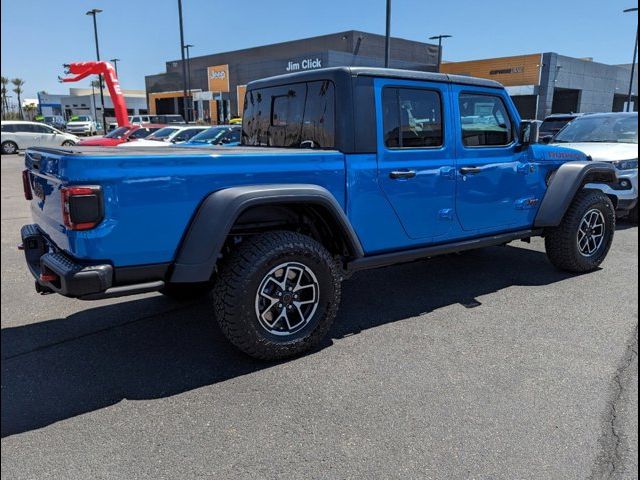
x: 591, y: 232
x: 287, y: 299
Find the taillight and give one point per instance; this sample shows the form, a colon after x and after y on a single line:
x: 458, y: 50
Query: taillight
x: 26, y: 185
x: 82, y: 207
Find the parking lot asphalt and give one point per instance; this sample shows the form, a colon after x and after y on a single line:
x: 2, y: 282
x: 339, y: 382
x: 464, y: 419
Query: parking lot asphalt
x: 487, y: 365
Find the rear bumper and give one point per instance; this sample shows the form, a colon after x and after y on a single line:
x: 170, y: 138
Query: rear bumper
x: 56, y: 272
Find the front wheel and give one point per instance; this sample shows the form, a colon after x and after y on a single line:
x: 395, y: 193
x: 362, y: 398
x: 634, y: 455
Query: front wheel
x: 9, y: 147
x: 68, y: 143
x: 277, y: 295
x: 582, y: 240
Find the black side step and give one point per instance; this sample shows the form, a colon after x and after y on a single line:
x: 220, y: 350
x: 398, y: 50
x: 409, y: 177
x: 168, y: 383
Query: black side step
x: 386, y: 259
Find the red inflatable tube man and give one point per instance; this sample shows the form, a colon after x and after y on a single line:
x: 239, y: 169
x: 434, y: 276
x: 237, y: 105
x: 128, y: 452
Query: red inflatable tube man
x: 84, y: 69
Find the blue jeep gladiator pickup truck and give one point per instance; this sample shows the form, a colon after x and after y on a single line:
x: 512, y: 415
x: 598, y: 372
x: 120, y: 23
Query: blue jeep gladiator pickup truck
x: 339, y: 170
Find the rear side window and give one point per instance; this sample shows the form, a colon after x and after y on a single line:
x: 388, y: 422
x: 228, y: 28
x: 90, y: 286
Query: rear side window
x: 298, y: 115
x: 9, y: 128
x: 485, y: 121
x: 412, y: 118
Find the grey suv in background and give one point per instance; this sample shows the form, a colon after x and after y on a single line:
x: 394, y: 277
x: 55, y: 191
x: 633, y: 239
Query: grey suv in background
x: 613, y: 138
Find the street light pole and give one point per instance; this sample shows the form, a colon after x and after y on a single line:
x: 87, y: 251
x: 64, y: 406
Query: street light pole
x: 439, y: 38
x: 184, y: 65
x: 115, y: 64
x: 93, y: 13
x: 387, y: 38
x: 633, y: 63
x: 187, y: 47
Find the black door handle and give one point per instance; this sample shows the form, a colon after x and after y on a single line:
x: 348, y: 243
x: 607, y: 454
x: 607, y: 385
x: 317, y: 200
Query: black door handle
x: 402, y: 174
x: 467, y: 170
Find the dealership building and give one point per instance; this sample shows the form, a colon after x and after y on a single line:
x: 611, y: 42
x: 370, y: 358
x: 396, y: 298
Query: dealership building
x: 218, y: 81
x: 545, y: 83
x: 540, y: 84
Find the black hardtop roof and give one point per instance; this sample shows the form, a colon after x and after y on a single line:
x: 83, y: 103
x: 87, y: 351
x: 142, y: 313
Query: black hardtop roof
x: 334, y: 73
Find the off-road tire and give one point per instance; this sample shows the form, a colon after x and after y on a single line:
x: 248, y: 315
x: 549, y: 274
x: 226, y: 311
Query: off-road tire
x: 561, y: 242
x: 240, y: 276
x: 9, y: 147
x: 184, y: 292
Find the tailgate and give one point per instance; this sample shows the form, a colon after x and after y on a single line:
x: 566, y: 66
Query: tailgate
x: 42, y: 176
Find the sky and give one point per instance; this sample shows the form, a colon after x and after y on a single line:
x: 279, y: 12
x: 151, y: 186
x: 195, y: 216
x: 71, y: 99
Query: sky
x: 39, y: 36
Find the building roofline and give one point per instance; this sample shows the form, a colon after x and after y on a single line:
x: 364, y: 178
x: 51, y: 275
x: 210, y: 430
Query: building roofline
x: 277, y: 44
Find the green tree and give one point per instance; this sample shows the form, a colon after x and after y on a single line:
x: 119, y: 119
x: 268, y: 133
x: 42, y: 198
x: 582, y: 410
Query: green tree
x: 30, y: 109
x: 18, y: 83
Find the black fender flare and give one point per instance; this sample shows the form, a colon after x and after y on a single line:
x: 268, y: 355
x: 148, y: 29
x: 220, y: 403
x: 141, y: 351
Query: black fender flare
x: 199, y: 250
x: 566, y: 182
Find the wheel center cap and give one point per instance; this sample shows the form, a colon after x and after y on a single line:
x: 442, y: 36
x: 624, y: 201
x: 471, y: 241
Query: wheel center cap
x: 287, y: 298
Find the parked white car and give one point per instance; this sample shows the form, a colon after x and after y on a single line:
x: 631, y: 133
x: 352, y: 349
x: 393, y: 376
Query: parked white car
x: 82, y: 125
x: 18, y: 135
x: 613, y: 138
x: 166, y: 136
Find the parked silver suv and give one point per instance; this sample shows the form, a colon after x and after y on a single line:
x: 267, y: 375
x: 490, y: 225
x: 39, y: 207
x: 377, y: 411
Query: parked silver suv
x: 609, y: 137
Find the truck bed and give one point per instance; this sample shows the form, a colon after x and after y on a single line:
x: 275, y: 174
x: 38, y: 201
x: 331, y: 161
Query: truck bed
x: 151, y: 194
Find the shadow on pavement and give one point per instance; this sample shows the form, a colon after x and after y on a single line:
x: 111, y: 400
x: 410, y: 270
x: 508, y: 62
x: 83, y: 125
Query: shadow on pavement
x: 51, y: 373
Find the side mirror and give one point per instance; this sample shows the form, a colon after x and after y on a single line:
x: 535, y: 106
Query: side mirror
x: 546, y: 139
x: 529, y: 132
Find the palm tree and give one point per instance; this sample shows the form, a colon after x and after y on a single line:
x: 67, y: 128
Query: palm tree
x: 4, y: 81
x: 30, y: 109
x: 18, y: 84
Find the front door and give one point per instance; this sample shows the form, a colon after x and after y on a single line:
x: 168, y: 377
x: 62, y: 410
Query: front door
x: 416, y: 155
x: 497, y: 188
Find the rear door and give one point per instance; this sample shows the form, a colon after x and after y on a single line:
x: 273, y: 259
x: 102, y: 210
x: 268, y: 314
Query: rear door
x: 416, y: 167
x: 497, y: 188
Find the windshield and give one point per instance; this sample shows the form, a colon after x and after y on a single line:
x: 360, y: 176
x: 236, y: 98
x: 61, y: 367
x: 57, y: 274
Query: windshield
x: 162, y: 134
x: 81, y: 118
x: 117, y: 133
x: 211, y: 136
x: 601, y: 129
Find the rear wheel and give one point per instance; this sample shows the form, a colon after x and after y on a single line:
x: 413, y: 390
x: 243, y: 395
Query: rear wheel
x: 277, y: 295
x: 582, y: 240
x: 9, y: 147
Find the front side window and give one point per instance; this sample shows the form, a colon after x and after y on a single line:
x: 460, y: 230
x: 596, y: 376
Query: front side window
x: 412, y: 118
x: 298, y: 115
x: 485, y: 121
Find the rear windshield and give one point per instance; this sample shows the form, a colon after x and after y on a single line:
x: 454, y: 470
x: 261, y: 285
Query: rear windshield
x: 117, y: 133
x: 162, y: 133
x: 297, y: 115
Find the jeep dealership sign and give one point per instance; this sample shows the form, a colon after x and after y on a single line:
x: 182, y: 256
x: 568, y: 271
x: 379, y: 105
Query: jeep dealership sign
x: 218, y: 78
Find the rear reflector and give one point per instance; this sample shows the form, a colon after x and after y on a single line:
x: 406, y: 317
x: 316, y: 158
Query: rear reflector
x: 26, y: 185
x: 82, y: 207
